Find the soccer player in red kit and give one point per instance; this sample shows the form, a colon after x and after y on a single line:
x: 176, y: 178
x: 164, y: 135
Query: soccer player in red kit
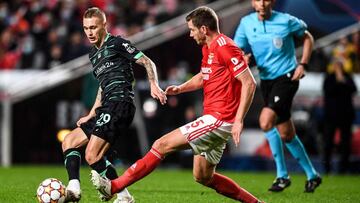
x: 228, y: 88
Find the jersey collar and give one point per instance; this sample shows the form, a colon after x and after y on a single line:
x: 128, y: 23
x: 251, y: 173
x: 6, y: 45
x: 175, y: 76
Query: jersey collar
x: 214, y: 40
x: 107, y: 37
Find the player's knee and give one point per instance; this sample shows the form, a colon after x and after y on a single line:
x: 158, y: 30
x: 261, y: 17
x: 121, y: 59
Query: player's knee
x: 201, y: 179
x: 288, y: 136
x: 162, y: 146
x: 265, y: 125
x: 67, y: 143
x: 91, y: 158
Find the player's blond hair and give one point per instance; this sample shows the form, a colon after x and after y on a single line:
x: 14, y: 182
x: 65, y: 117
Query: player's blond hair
x: 95, y: 12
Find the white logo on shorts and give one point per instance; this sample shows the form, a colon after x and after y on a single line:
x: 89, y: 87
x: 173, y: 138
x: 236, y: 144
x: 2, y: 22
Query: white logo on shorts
x: 276, y: 99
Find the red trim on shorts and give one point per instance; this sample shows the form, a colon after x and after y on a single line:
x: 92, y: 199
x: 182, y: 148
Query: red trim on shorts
x: 197, y: 133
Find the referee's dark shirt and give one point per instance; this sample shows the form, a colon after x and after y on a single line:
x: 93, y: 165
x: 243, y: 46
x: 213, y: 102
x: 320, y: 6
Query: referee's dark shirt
x: 112, y: 67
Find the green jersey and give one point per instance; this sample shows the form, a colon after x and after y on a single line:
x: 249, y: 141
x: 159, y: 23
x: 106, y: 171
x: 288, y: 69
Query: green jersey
x: 112, y: 67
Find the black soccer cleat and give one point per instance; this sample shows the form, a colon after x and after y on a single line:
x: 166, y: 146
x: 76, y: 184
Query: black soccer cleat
x: 280, y: 184
x: 312, y: 184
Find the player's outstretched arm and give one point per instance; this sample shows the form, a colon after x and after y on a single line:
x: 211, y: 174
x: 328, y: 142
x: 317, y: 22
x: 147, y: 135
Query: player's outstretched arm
x: 156, y: 91
x: 195, y: 83
x: 247, y: 94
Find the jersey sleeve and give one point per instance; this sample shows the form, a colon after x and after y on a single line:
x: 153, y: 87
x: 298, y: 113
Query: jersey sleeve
x: 233, y: 59
x: 240, y: 36
x: 127, y: 50
x: 297, y: 26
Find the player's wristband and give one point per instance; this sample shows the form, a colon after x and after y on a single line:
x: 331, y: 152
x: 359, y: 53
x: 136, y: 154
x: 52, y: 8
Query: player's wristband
x: 305, y: 65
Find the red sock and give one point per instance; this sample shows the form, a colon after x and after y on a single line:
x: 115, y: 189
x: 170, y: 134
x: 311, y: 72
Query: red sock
x: 227, y: 187
x: 137, y: 171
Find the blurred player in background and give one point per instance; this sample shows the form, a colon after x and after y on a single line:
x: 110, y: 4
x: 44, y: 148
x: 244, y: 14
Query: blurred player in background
x: 113, y: 110
x: 270, y: 36
x: 339, y: 113
x: 228, y: 92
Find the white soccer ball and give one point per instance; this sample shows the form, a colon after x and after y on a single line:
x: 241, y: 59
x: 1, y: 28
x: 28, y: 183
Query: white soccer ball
x: 51, y: 190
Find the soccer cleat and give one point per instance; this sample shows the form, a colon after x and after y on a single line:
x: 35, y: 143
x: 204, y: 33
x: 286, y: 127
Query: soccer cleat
x: 103, y: 185
x: 72, y: 195
x: 280, y: 184
x: 312, y: 184
x: 128, y: 199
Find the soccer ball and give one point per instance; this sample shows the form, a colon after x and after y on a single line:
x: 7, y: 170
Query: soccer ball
x: 51, y: 190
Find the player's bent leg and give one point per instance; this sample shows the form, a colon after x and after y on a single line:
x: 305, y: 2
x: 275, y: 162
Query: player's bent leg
x: 95, y: 150
x: 72, y: 156
x: 204, y: 173
x: 168, y: 143
x: 267, y: 119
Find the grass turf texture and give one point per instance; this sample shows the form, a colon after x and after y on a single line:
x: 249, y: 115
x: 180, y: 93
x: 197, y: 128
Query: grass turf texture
x: 19, y: 184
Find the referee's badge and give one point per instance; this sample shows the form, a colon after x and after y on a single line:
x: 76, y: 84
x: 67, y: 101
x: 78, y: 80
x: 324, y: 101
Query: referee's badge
x: 278, y: 42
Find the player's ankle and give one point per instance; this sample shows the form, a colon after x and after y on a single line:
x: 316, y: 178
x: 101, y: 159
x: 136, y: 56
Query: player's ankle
x: 74, y: 184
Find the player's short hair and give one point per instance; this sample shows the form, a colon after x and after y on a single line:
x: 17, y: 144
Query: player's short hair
x: 95, y: 12
x: 204, y: 16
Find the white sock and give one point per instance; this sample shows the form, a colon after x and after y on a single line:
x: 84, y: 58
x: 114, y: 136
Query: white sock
x: 124, y: 193
x: 74, y: 184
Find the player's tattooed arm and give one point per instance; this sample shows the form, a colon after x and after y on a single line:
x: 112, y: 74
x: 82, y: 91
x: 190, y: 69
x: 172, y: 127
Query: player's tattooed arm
x: 156, y: 91
x: 150, y: 67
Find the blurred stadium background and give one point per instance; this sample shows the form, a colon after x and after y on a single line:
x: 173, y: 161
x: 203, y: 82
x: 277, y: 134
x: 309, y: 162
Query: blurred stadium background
x: 46, y: 82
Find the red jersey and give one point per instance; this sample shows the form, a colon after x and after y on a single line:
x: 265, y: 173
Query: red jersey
x: 222, y: 62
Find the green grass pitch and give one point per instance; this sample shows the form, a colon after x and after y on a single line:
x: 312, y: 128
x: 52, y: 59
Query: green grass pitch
x: 19, y: 184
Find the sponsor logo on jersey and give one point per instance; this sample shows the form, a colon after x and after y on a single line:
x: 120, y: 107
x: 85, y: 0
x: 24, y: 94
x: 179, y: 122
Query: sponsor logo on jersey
x: 210, y: 58
x: 103, y: 67
x: 206, y: 72
x: 237, y: 67
x: 128, y: 47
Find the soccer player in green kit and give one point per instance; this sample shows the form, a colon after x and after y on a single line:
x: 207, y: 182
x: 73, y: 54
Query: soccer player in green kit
x: 113, y: 109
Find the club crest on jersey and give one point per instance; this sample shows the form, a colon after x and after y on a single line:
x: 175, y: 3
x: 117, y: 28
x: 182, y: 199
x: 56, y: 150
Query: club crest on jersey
x: 278, y: 42
x: 210, y: 58
x: 128, y: 48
